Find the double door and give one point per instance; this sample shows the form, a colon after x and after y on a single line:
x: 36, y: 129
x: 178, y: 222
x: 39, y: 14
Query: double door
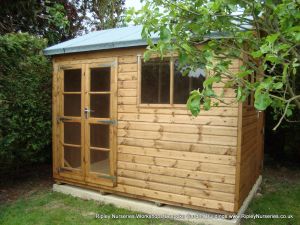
x: 86, y: 122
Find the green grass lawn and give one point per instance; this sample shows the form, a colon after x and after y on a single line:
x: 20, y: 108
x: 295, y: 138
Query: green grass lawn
x: 279, y: 194
x: 47, y: 207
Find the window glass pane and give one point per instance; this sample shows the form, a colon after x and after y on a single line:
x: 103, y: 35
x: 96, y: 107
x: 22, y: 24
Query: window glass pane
x: 183, y: 85
x: 100, y: 104
x: 72, y: 80
x: 99, y: 135
x: 99, y: 161
x: 155, y: 81
x: 72, y: 157
x: 72, y: 105
x: 100, y: 79
x: 72, y: 133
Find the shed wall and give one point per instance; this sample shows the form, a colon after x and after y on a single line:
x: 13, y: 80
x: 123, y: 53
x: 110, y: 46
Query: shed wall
x: 164, y: 154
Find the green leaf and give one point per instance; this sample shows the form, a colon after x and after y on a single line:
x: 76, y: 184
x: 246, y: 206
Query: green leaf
x: 165, y: 34
x: 289, y: 112
x: 257, y: 54
x: 272, y: 38
x: 278, y: 85
x: 239, y: 93
x: 193, y: 103
x: 262, y: 101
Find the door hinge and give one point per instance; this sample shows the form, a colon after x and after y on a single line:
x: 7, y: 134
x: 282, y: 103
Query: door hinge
x: 112, y: 122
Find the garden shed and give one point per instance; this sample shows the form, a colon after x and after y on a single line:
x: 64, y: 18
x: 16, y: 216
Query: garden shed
x: 120, y: 125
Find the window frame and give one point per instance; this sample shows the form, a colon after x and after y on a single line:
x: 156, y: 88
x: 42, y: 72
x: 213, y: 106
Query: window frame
x: 139, y: 85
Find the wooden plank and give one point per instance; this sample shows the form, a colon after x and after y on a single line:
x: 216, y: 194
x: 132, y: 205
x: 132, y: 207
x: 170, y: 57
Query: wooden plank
x: 127, y: 59
x: 225, y: 206
x: 127, y: 84
x: 180, y: 155
x: 225, y: 171
x: 195, y: 178
x: 127, y: 92
x: 215, y: 111
x: 55, y: 127
x: 249, y: 120
x: 132, y: 67
x: 179, y: 128
x: 179, y: 146
x: 127, y: 101
x: 173, y: 180
x: 139, y: 83
x: 178, y: 137
x: 176, y: 189
x: 179, y: 119
x: 129, y: 76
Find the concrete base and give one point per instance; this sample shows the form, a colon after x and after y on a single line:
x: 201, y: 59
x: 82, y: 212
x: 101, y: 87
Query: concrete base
x: 176, y: 213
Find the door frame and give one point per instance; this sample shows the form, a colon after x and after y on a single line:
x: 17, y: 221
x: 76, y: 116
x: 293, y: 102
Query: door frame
x: 57, y: 98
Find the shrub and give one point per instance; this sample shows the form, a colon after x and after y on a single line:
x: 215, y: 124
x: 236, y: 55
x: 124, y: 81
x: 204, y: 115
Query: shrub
x: 25, y: 101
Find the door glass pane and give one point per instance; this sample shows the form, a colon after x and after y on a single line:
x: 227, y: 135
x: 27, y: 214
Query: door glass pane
x: 72, y: 157
x: 72, y: 105
x: 72, y: 80
x: 100, y: 104
x: 99, y: 161
x: 100, y: 79
x: 72, y: 133
x: 99, y: 135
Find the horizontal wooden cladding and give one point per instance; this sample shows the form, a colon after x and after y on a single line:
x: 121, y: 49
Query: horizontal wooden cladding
x: 176, y: 176
x: 214, y: 172
x: 127, y: 59
x: 129, y: 76
x: 131, y: 100
x: 248, y: 120
x: 123, y: 68
x: 180, y: 155
x: 133, y: 92
x: 182, y: 110
x: 179, y: 128
x: 182, y: 199
x: 179, y: 137
x: 179, y: 119
x: 179, y: 146
x: 154, y: 182
x: 127, y: 84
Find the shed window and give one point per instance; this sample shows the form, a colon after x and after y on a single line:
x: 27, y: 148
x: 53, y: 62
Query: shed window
x: 156, y: 81
x: 162, y: 82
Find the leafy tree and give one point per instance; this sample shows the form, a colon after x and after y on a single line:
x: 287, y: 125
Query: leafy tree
x: 40, y: 17
x: 25, y: 101
x: 106, y: 13
x: 59, y: 20
x: 267, y: 33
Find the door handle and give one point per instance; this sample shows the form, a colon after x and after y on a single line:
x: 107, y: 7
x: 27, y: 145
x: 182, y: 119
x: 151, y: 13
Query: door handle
x: 86, y: 111
x: 111, y: 122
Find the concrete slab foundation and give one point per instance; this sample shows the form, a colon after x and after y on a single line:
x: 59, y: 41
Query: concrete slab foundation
x: 166, y: 211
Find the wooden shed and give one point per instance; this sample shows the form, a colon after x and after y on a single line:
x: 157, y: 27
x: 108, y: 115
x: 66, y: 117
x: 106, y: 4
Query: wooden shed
x: 120, y: 125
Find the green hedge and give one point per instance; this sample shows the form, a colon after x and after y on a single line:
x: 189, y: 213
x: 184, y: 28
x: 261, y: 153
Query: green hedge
x: 25, y: 101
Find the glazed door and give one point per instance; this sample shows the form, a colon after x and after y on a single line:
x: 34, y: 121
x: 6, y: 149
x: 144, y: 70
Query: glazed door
x: 100, y: 123
x: 87, y: 122
x: 70, y: 122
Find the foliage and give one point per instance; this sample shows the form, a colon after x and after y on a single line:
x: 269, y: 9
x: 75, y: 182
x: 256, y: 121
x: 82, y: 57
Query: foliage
x: 265, y: 33
x: 105, y: 13
x: 25, y: 100
x: 43, y: 18
x: 59, y: 20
